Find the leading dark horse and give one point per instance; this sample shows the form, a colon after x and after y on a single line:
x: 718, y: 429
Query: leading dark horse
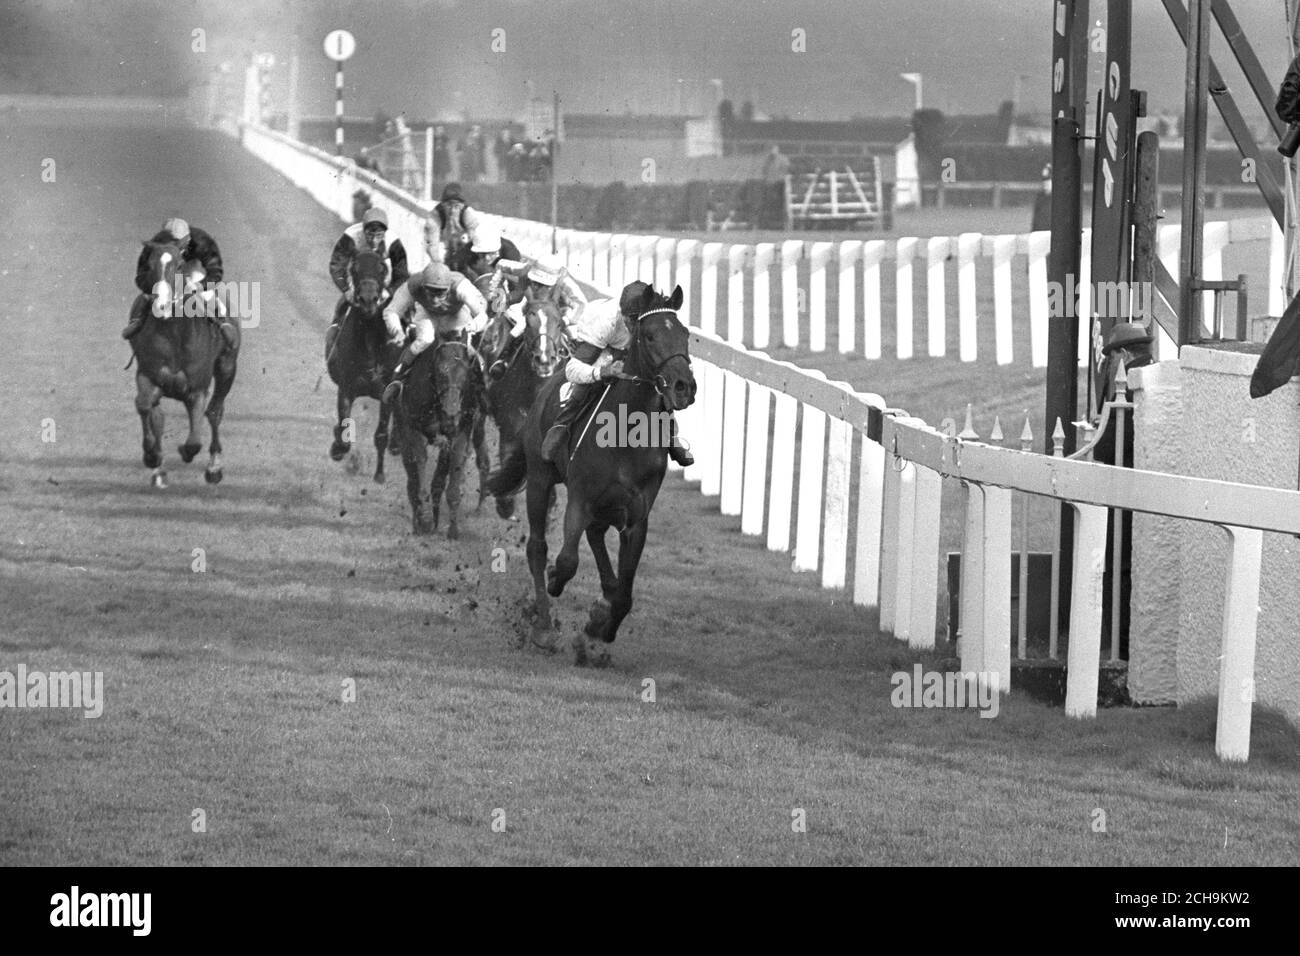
x: 522, y: 365
x: 355, y: 357
x: 440, y: 404
x: 182, y: 355
x: 610, y: 484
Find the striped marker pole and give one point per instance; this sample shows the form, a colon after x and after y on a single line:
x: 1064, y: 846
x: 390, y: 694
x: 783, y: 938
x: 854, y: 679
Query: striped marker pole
x: 338, y: 109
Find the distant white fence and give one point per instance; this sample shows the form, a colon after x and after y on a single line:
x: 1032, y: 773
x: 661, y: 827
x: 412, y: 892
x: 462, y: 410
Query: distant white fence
x: 755, y: 416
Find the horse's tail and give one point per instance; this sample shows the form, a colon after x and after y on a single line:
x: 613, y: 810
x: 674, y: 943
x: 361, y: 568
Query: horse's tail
x: 509, y: 478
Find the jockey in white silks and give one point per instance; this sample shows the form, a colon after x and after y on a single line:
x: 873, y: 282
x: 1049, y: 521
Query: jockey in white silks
x: 600, y: 339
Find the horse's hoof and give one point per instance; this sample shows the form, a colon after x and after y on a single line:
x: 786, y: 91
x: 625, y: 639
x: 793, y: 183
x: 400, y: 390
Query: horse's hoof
x: 506, y: 507
x: 212, y: 476
x: 339, y: 451
x: 597, y: 654
x: 544, y: 638
x: 187, y: 452
x: 597, y: 618
x: 453, y: 532
x: 380, y: 478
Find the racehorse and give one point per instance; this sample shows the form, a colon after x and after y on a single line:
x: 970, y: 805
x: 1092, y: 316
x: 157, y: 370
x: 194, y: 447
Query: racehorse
x: 439, y: 405
x: 528, y: 361
x: 355, y: 356
x: 183, y: 357
x: 609, y: 485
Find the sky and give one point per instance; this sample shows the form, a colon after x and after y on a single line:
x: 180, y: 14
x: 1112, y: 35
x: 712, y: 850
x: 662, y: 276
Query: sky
x: 445, y: 56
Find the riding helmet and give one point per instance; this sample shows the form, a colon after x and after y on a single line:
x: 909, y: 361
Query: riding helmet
x: 375, y: 214
x: 629, y: 303
x: 1126, y: 335
x: 435, y: 276
x: 177, y: 228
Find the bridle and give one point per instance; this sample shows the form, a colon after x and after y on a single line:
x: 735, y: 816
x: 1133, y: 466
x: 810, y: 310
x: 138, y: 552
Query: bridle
x: 656, y: 379
x: 469, y: 362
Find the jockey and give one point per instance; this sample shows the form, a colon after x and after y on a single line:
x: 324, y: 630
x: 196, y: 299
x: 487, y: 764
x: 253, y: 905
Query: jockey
x: 442, y: 304
x: 455, y: 217
x: 366, y: 236
x: 599, y: 340
x: 514, y: 282
x: 481, y: 254
x: 196, y: 246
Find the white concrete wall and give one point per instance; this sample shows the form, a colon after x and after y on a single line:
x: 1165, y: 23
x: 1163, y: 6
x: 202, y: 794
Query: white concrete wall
x: 1196, y: 417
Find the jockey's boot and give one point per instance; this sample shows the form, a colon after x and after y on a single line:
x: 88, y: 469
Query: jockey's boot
x: 677, y: 451
x: 555, y: 446
x: 139, y: 312
x: 400, y: 371
x: 228, y: 332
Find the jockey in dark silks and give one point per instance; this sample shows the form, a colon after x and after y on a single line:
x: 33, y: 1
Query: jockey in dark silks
x: 600, y: 338
x: 480, y: 255
x: 196, y: 246
x: 366, y: 236
x: 456, y: 221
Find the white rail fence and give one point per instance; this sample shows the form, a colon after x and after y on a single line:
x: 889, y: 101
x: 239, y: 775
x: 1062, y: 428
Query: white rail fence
x: 754, y: 414
x: 990, y: 278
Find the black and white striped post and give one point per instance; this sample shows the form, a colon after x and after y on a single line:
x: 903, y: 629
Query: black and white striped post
x: 339, y: 45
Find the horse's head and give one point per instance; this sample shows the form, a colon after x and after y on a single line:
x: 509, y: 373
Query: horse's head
x: 454, y: 384
x: 546, y: 332
x: 660, y: 349
x: 164, y: 259
x: 368, y: 274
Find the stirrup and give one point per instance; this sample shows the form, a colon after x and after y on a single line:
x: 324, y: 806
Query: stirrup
x: 392, y: 391
x: 498, y: 369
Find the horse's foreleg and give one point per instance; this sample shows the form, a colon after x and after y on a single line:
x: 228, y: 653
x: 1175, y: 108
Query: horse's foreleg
x: 576, y: 519
x: 195, y: 406
x: 381, y: 441
x: 631, y: 543
x: 343, y: 430
x: 538, y: 499
x: 224, y: 378
x: 458, y: 452
x: 415, y: 458
x: 599, y: 551
x: 482, y: 459
x: 442, y: 457
x: 147, y: 397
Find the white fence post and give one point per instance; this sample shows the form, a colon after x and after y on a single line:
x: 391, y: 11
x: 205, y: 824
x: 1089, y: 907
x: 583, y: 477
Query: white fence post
x: 684, y: 272
x: 764, y: 252
x: 709, y: 286
x: 736, y: 256
x: 997, y: 587
x: 645, y: 270
x: 617, y: 253
x: 818, y: 255
x: 711, y: 464
x: 791, y: 250
x: 751, y: 514
x: 1083, y: 660
x: 664, y: 250
x: 1217, y: 236
x: 936, y: 257
x: 906, y: 252
x: 906, y: 552
x: 839, y: 464
x: 733, y: 446
x: 850, y: 254
x: 1085, y: 300
x: 968, y: 247
x: 925, y: 559
x: 782, y: 484
x: 1237, y: 665
x: 812, y: 460
x: 971, y: 619
x: 872, y: 252
x: 600, y: 259
x: 866, y: 553
x: 1276, y: 269
x: 1004, y: 248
